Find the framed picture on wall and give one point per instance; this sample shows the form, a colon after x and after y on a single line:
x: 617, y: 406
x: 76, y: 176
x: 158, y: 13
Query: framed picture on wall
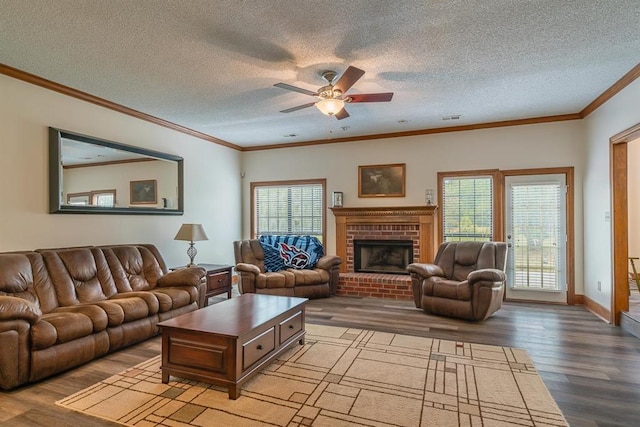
x: 336, y: 198
x: 144, y: 192
x: 381, y: 180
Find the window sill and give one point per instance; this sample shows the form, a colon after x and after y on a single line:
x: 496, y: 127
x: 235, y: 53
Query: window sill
x: 549, y: 291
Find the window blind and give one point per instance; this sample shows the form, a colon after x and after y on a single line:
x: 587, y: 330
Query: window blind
x: 289, y: 209
x: 467, y: 208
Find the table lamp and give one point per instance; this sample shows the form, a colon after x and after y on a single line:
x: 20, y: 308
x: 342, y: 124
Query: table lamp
x: 191, y: 233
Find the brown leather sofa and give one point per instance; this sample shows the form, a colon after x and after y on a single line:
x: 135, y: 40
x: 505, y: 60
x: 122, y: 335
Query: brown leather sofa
x: 319, y: 282
x: 466, y: 280
x: 60, y: 308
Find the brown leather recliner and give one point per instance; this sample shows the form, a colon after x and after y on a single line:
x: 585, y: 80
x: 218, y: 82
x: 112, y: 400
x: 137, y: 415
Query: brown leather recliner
x: 466, y: 280
x: 319, y: 282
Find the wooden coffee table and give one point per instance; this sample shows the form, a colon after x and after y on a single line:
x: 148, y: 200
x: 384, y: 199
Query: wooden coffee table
x: 228, y: 342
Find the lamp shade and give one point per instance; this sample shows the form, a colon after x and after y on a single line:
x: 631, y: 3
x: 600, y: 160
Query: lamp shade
x: 191, y: 233
x: 330, y: 107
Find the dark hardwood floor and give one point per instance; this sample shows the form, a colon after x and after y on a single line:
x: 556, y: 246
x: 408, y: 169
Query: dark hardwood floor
x: 592, y: 369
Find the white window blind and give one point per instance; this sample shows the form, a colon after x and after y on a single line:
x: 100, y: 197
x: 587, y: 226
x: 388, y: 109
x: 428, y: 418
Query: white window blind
x: 467, y: 208
x: 289, y: 209
x: 537, y: 233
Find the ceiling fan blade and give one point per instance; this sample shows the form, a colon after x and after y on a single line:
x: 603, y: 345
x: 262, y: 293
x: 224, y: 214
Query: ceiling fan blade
x: 342, y: 114
x: 371, y: 97
x: 295, y: 89
x: 299, y: 107
x: 348, y: 78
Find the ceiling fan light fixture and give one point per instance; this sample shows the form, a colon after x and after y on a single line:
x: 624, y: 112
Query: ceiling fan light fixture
x: 330, y: 107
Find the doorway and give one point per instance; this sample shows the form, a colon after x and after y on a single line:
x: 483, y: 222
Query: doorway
x: 620, y: 213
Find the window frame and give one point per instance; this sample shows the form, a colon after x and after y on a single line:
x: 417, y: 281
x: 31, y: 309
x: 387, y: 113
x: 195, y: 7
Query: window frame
x: 97, y: 193
x: 497, y: 215
x: 320, y: 181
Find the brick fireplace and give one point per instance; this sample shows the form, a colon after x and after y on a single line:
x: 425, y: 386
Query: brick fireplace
x: 415, y: 223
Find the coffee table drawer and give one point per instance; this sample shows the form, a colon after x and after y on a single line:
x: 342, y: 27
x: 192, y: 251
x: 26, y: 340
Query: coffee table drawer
x: 258, y: 347
x: 290, y: 327
x: 190, y: 350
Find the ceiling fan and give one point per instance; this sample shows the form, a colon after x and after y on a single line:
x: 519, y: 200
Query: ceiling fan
x: 332, y: 97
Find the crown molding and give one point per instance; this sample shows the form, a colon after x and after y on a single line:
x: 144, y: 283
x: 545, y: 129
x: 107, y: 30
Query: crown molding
x: 505, y: 123
x: 74, y: 93
x: 624, y: 81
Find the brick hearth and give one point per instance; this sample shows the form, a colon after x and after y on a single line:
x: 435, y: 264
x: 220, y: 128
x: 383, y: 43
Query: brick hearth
x: 375, y: 285
x: 403, y: 223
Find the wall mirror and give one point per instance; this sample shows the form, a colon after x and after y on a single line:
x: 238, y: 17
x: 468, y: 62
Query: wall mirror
x: 91, y: 175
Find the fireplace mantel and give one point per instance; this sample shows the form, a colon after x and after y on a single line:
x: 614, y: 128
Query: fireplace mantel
x: 424, y: 217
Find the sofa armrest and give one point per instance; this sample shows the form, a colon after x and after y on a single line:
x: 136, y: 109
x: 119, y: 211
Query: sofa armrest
x: 420, y: 272
x: 329, y: 262
x: 425, y: 270
x: 247, y: 274
x: 491, y: 277
x: 242, y: 267
x: 190, y: 276
x: 12, y: 308
x: 16, y: 317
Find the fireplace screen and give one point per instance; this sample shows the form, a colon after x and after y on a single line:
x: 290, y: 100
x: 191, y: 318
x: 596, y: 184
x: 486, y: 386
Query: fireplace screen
x: 382, y: 256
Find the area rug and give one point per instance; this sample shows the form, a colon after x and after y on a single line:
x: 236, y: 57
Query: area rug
x: 342, y: 377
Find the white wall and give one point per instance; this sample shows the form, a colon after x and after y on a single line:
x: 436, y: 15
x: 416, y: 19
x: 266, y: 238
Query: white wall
x: 619, y: 113
x: 531, y: 146
x: 119, y: 176
x: 212, y: 183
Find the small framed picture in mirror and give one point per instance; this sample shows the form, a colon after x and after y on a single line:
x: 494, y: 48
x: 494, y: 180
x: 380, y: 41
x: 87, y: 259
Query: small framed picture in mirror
x: 144, y: 192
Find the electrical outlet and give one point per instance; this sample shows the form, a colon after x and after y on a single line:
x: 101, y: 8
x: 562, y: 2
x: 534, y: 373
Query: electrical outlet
x: 599, y: 286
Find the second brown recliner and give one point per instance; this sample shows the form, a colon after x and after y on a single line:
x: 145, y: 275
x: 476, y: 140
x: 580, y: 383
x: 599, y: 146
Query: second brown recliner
x: 318, y: 282
x: 466, y: 280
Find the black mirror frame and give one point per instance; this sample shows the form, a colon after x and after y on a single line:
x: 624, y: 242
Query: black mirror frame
x: 55, y: 176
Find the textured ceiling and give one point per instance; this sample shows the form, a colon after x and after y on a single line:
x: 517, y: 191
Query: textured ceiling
x: 211, y: 65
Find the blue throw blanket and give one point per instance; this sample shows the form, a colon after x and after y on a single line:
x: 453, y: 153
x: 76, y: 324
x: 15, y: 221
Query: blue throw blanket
x: 282, y: 252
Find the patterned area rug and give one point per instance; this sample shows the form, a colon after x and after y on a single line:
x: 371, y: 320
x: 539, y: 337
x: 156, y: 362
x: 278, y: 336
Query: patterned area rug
x: 342, y: 377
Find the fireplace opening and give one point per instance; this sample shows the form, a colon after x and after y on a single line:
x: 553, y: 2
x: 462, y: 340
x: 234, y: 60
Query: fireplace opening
x: 382, y: 256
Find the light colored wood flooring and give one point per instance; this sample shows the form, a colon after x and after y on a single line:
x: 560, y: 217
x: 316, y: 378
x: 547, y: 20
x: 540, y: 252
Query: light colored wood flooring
x: 592, y: 369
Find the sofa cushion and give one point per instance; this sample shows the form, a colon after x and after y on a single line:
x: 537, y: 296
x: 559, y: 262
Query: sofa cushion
x: 123, y: 310
x: 79, y: 275
x: 16, y: 276
x: 282, y: 279
x: 450, y: 289
x: 310, y: 277
x: 57, y: 328
x: 172, y: 298
x: 298, y: 252
x: 134, y: 267
x: 96, y: 314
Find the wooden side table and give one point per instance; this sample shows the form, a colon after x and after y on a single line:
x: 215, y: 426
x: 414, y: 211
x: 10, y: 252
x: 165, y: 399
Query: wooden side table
x: 218, y: 280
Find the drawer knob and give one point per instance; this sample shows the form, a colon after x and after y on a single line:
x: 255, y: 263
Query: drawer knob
x: 290, y: 326
x: 259, y: 347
